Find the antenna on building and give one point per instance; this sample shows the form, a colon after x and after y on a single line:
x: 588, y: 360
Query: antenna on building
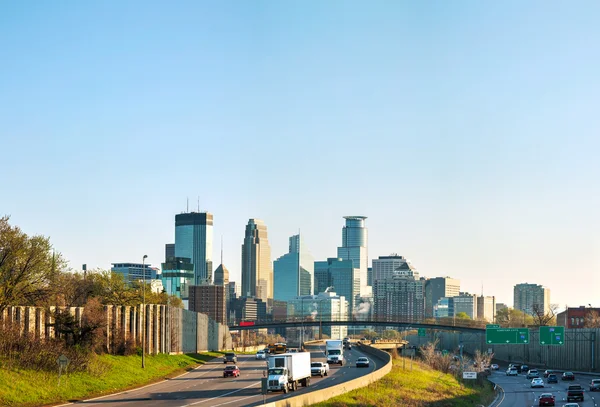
x: 482, y: 288
x: 198, y: 203
x: 187, y: 204
x: 221, y: 249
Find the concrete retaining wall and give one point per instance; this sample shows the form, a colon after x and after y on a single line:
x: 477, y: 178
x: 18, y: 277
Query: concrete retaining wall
x: 333, y: 391
x: 166, y: 329
x: 581, y: 351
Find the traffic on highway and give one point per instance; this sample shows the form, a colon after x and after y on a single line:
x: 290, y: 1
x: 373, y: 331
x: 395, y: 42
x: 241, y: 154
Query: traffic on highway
x: 219, y: 383
x: 539, y: 387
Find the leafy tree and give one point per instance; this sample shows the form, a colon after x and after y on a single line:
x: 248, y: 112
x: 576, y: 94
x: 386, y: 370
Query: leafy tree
x: 463, y: 315
x: 27, y: 266
x: 512, y: 318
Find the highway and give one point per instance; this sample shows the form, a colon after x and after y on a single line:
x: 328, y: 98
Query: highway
x: 206, y: 386
x: 518, y: 391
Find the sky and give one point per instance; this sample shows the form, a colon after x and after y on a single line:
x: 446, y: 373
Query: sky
x: 467, y: 132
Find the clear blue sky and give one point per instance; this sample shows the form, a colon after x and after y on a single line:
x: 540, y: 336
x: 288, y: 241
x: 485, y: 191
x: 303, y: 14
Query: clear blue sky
x: 468, y: 132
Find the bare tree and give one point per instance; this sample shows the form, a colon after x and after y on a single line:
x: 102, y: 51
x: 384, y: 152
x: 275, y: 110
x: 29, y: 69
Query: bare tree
x: 541, y: 317
x: 592, y: 319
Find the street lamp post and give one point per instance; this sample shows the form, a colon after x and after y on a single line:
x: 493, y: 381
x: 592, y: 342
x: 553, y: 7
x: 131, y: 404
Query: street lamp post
x: 144, y: 311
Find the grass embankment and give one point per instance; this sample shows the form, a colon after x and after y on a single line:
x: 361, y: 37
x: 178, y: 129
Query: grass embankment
x: 419, y: 387
x: 107, y: 374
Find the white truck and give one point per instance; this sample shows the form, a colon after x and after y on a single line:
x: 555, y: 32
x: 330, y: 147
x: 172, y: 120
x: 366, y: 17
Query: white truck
x: 288, y: 370
x: 334, y: 350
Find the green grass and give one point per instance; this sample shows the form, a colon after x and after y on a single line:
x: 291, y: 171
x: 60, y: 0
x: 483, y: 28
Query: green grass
x: 419, y: 387
x: 108, y: 374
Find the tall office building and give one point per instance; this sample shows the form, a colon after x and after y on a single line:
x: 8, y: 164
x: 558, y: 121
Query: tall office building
x: 221, y: 273
x: 527, y: 297
x: 486, y: 307
x: 194, y: 240
x: 169, y: 251
x: 248, y: 309
x: 134, y: 271
x: 354, y: 248
x: 400, y: 297
x: 467, y: 303
x: 384, y: 266
x: 293, y: 272
x: 210, y: 300
x: 343, y: 277
x: 439, y: 287
x: 444, y: 308
x: 257, y: 269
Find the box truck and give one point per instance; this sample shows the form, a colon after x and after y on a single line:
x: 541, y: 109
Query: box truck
x: 288, y: 370
x: 334, y: 350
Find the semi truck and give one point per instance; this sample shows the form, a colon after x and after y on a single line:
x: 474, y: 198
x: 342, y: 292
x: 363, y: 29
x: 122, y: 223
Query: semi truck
x: 334, y: 350
x: 288, y: 370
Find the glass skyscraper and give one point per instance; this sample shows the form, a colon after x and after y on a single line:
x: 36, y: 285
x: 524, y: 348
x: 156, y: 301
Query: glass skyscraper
x: 257, y: 268
x: 194, y: 240
x: 177, y: 276
x: 293, y: 272
x: 354, y: 248
x: 343, y: 277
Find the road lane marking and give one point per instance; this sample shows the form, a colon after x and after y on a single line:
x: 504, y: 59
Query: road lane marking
x: 222, y: 395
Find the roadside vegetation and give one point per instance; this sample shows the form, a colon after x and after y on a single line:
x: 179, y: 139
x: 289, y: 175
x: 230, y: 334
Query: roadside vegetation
x: 104, y: 374
x: 431, y: 381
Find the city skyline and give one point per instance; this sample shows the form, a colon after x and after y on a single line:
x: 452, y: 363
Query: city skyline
x: 467, y: 133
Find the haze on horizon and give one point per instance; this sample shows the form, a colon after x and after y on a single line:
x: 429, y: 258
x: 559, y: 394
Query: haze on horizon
x: 467, y: 133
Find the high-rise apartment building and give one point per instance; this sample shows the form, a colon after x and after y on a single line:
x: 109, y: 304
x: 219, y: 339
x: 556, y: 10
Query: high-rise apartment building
x: 293, y: 272
x: 210, y: 300
x: 177, y: 276
x: 528, y: 297
x: 439, y: 287
x: 257, y: 269
x: 194, y: 240
x: 400, y: 297
x: 342, y: 277
x: 384, y: 266
x: 486, y: 308
x: 467, y: 303
x: 354, y: 248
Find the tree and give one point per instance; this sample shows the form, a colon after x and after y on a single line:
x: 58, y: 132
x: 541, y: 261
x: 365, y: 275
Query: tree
x: 592, y: 319
x: 463, y: 315
x: 513, y: 318
x: 541, y: 317
x: 27, y: 266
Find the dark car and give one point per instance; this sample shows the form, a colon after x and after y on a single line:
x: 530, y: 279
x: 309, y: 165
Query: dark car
x: 549, y: 372
x: 552, y: 378
x: 230, y: 357
x: 575, y: 393
x: 524, y: 369
x: 516, y: 366
x: 568, y: 376
x: 546, y: 399
x: 233, y: 371
x: 595, y: 385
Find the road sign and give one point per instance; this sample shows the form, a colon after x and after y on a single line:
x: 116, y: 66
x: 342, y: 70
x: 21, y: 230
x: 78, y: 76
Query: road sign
x: 62, y: 361
x: 469, y: 375
x: 422, y: 332
x: 552, y: 335
x: 492, y: 326
x: 507, y: 336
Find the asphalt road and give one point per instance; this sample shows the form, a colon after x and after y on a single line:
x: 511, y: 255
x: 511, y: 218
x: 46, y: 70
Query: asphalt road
x: 206, y: 386
x: 518, y: 391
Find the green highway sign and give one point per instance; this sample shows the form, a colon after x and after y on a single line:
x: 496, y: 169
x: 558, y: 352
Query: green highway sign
x: 492, y: 326
x: 507, y: 336
x: 422, y: 332
x: 552, y: 335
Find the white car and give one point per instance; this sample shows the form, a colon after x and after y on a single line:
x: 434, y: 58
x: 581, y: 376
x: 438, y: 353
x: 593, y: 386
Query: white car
x: 261, y: 354
x: 512, y: 372
x: 494, y: 366
x: 537, y: 382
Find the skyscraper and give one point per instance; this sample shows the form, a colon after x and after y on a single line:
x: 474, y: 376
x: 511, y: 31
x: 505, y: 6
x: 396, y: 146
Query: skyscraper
x: 194, y: 240
x: 293, y: 272
x: 257, y: 269
x: 400, y: 297
x: 177, y: 277
x: 486, y: 308
x: 221, y: 273
x: 210, y: 300
x: 354, y: 248
x: 530, y: 297
x: 384, y: 266
x: 436, y: 288
x: 343, y: 277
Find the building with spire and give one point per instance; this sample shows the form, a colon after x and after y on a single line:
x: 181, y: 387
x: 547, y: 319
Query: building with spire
x: 293, y: 272
x: 257, y: 268
x: 221, y: 276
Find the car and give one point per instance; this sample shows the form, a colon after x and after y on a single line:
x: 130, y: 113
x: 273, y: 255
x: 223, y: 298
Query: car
x: 516, y: 366
x: 261, y: 354
x: 319, y: 369
x: 537, y: 382
x: 595, y: 385
x: 494, y: 366
x: 233, y: 371
x: 524, y: 369
x: 552, y: 378
x: 230, y: 357
x: 549, y: 372
x: 575, y: 393
x: 532, y: 373
x: 570, y: 405
x: 546, y: 399
x: 512, y: 372
x: 568, y: 376
x: 362, y: 362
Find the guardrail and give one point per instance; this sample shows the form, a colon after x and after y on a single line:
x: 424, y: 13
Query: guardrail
x: 325, y: 394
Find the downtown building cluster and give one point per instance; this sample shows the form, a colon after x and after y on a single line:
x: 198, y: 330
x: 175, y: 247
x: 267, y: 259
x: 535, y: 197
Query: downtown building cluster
x: 295, y: 285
